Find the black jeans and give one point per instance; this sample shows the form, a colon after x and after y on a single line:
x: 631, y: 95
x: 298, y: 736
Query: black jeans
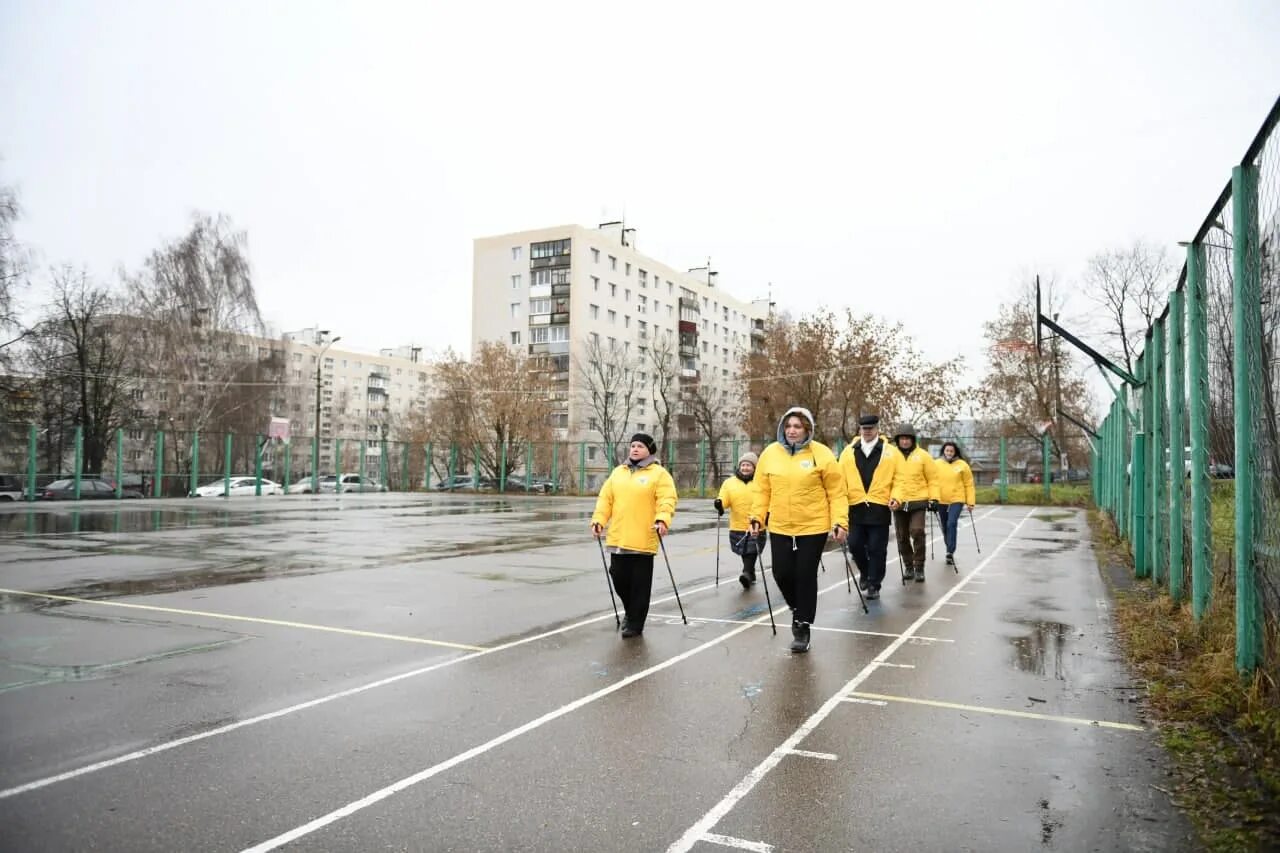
x: 869, y: 545
x: 633, y: 581
x: 795, y: 568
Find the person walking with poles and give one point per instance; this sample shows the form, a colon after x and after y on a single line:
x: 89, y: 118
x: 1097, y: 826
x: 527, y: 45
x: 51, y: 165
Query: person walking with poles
x: 868, y: 466
x: 955, y: 492
x: 799, y: 489
x: 914, y: 492
x: 735, y: 496
x: 636, y: 504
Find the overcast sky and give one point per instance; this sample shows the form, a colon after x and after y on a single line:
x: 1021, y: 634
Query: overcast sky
x: 913, y: 160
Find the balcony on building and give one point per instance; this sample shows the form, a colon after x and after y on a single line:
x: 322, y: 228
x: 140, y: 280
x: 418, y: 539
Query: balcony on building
x: 688, y: 327
x: 540, y: 291
x: 689, y: 373
x: 689, y: 304
x: 688, y: 351
x: 559, y: 318
x: 757, y: 329
x: 549, y: 253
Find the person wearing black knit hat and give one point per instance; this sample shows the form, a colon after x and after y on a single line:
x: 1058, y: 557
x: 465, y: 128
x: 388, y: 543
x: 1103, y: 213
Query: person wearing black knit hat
x: 914, y: 492
x: 636, y: 504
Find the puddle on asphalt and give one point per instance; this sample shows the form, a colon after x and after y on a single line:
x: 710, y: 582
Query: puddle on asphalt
x: 1052, y: 516
x: 33, y: 523
x: 1043, y: 649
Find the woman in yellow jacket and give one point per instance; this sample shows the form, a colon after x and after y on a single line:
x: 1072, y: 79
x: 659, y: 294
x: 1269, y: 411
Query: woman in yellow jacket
x: 735, y: 496
x: 636, y: 503
x: 955, y: 492
x: 800, y: 491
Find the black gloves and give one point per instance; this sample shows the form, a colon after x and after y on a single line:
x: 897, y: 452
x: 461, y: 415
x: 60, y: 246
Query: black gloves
x: 719, y: 507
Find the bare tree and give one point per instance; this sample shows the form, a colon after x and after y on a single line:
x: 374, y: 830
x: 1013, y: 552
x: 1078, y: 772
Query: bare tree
x: 714, y: 416
x: 664, y: 369
x: 13, y: 272
x: 198, y: 312
x: 608, y: 383
x: 1131, y: 285
x: 82, y: 352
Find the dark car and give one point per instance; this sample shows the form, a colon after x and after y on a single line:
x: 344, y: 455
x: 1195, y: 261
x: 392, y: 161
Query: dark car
x: 1221, y: 471
x: 91, y: 488
x: 459, y: 481
x: 540, y: 485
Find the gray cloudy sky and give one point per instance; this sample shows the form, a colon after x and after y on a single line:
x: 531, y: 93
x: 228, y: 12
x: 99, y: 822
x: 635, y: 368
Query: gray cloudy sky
x: 914, y: 160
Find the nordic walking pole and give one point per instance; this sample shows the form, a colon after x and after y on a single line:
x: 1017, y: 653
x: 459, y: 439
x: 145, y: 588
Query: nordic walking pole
x: 717, y: 550
x: 929, y: 513
x: 609, y: 581
x: 974, y: 525
x: 848, y: 570
x: 764, y: 577
x: 663, y: 545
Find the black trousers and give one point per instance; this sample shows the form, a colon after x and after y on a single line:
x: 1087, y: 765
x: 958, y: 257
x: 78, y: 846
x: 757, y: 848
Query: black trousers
x: 795, y: 569
x: 633, y: 582
x: 869, y: 545
x: 909, y: 528
x: 749, y: 563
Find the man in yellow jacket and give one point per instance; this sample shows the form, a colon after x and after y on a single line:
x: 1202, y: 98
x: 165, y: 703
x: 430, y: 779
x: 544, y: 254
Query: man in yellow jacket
x: 868, y: 466
x: 914, y: 492
x: 637, y: 504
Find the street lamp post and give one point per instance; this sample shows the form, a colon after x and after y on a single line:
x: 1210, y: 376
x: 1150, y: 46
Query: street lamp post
x: 315, y: 446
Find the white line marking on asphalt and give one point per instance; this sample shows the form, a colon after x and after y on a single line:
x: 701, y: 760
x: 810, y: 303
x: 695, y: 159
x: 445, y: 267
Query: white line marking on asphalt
x: 939, y: 619
x: 765, y: 624
x: 708, y: 821
x: 825, y: 756
x: 739, y: 843
x: 969, y: 592
x: 857, y: 701
x: 1004, y: 712
x: 897, y: 665
x: 409, y: 781
x: 342, y: 694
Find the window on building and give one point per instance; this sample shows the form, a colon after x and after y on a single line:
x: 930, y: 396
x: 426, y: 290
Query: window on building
x: 517, y: 252
x: 549, y: 249
x: 559, y: 334
x: 671, y: 288
x: 626, y: 295
x: 641, y: 428
x: 297, y: 374
x: 595, y: 282
x: 628, y: 269
x: 539, y: 306
x: 297, y: 356
x: 595, y: 256
x: 626, y: 321
x: 515, y: 281
x: 560, y: 276
x: 670, y: 310
x: 591, y: 451
x: 613, y: 290
x: 595, y: 339
x: 704, y: 346
x: 644, y: 278
x: 613, y: 344
x: 515, y: 309
x: 613, y: 262
x: 595, y: 311
x: 515, y: 338
x: 613, y: 316
x: 539, y: 335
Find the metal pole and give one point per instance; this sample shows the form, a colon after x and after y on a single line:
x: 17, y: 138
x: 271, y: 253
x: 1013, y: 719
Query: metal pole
x: 226, y: 468
x: 259, y: 442
x: 1045, y: 464
x: 528, y: 465
x: 195, y: 462
x: 502, y: 470
x: 702, y: 468
x: 426, y: 474
x: 363, y: 469
x: 33, y: 437
x: 1246, y: 321
x: 1163, y: 455
x: 1177, y: 429
x: 1004, y: 470
x: 1198, y: 368
x: 1140, y: 567
x: 119, y: 463
x: 315, y: 442
x: 582, y: 468
x: 157, y: 488
x: 79, y: 459
x: 475, y: 467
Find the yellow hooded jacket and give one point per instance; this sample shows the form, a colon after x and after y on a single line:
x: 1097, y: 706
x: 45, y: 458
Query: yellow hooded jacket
x: 881, y: 480
x: 800, y: 489
x: 955, y: 482
x: 736, y: 497
x: 631, y: 501
x: 915, y: 477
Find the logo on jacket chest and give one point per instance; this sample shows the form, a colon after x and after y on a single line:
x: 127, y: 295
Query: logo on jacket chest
x: 644, y: 481
x: 806, y: 464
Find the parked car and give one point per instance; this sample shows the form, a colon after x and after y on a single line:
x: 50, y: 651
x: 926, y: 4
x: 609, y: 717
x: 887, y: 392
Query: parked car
x: 303, y: 487
x: 458, y: 481
x: 1221, y: 471
x: 240, y: 487
x: 516, y: 483
x: 357, y: 483
x: 91, y: 488
x: 11, y: 488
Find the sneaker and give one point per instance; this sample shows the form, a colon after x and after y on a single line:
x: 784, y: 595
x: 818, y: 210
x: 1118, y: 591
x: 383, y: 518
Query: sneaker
x: 630, y: 629
x: 873, y: 593
x: 745, y: 580
x: 862, y: 583
x: 800, y: 636
x: 951, y: 561
x: 919, y: 574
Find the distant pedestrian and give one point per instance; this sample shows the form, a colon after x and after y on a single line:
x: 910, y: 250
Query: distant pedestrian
x: 914, y: 492
x: 868, y: 466
x: 800, y: 493
x: 636, y: 504
x: 735, y: 496
x: 955, y: 493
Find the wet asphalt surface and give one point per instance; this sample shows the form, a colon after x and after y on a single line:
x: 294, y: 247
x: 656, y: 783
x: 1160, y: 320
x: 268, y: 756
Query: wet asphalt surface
x: 407, y: 672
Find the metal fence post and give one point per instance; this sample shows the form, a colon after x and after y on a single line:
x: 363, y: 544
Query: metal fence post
x: 1004, y: 470
x: 1046, y: 460
x: 1177, y: 475
x: 582, y: 467
x: 195, y: 463
x: 363, y: 469
x: 259, y: 441
x: 1246, y: 322
x: 226, y: 468
x: 1197, y: 366
x: 528, y: 466
x: 1140, y: 541
x: 702, y: 468
x: 33, y: 441
x: 157, y: 489
x: 475, y: 467
x: 502, y: 470
x: 79, y: 460
x: 119, y: 463
x: 1162, y: 455
x: 315, y: 464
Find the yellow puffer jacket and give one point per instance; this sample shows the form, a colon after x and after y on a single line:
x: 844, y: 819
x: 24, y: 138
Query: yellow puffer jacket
x: 631, y: 501
x: 881, y: 480
x: 915, y: 477
x: 800, y: 490
x: 955, y: 482
x: 735, y: 495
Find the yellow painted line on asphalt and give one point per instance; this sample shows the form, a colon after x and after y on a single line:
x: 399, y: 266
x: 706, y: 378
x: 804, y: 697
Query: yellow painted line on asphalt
x: 1028, y: 715
x: 232, y: 617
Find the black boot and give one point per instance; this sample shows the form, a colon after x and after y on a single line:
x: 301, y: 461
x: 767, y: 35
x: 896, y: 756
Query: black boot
x: 951, y: 560
x: 873, y: 593
x: 631, y: 628
x: 862, y: 582
x: 800, y: 636
x: 919, y: 574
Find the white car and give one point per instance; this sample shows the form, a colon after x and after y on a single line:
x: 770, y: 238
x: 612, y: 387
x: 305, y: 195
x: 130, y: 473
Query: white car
x: 303, y: 486
x: 240, y: 487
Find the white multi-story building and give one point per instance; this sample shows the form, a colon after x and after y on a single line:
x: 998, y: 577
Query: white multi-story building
x: 552, y: 290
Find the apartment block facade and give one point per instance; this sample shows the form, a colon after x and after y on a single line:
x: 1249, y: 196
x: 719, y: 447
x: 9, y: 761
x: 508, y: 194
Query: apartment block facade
x: 549, y: 291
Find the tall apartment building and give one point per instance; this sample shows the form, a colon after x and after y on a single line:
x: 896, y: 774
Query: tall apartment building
x: 550, y: 290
